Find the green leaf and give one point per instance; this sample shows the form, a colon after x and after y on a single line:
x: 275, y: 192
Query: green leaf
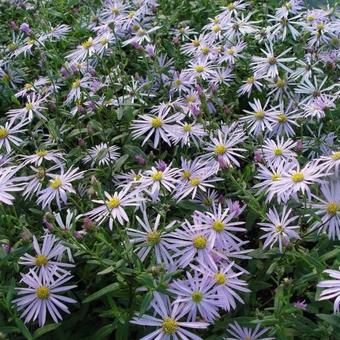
x: 43, y: 330
x: 108, y: 289
x: 145, y: 303
x: 23, y: 329
x: 333, y: 320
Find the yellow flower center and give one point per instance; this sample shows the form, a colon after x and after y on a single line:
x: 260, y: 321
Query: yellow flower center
x: 190, y: 99
x: 169, y: 326
x: 88, y: 43
x: 288, y: 5
x: 220, y: 149
x: 104, y: 41
x: 278, y: 152
x: 43, y: 292
x: 195, y: 181
x: 247, y: 337
x: 113, y: 202
x: 335, y: 156
x: 29, y: 106
x: 199, y: 68
x: 220, y: 278
x: 115, y: 10
x: 137, y: 178
x: 280, y: 83
x: 272, y: 60
x: 231, y: 51
x: 310, y: 18
x: 157, y: 176
x: 187, y: 127
x: 41, y: 153
x: 30, y: 42
x: 41, y: 260
x: 259, y: 115
x: 216, y: 28
x: 320, y: 26
x: 186, y: 174
x: 298, y: 177
x: 154, y: 237
x: 197, y: 296
x: 195, y: 42
x: 332, y: 208
x: 6, y: 77
x: 178, y: 82
x: 200, y: 242
x: 156, y: 123
x: 28, y: 86
x: 207, y: 202
x: 231, y: 6
x: 282, y: 118
x: 275, y: 177
x: 279, y: 228
x: 12, y: 46
x: 76, y: 84
x: 131, y: 14
x: 218, y: 226
x: 3, y: 133
x: 205, y: 50
x: 56, y: 183
x: 250, y: 80
x: 40, y: 173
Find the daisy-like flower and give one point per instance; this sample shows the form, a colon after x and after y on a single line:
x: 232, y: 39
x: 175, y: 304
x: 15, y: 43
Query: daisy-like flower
x: 102, y: 154
x: 226, y: 281
x: 186, y: 132
x: 7, y: 135
x: 190, y: 242
x: 42, y: 296
x: 260, y: 119
x: 83, y: 51
x: 222, y: 151
x: 168, y: 323
x: 151, y: 239
x: 58, y: 187
x: 7, y: 185
x: 280, y: 151
x: 112, y: 207
x: 332, y: 288
x: 279, y: 229
x: 244, y: 333
x: 45, y: 262
x: 297, y: 179
x: 201, y: 68
x: 159, y: 124
x: 33, y: 107
x: 269, y: 65
x: 220, y: 226
x: 43, y: 154
x: 153, y: 180
x: 76, y: 89
x: 249, y: 84
x: 329, y: 210
x: 331, y: 162
x: 197, y: 296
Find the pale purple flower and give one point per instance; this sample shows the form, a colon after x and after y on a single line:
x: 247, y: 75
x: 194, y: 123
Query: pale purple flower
x: 197, y: 296
x: 332, y: 288
x: 168, y: 323
x: 244, y: 333
x: 7, y: 185
x: 301, y: 304
x: 102, y: 154
x: 8, y: 134
x: 279, y: 230
x: 42, y: 296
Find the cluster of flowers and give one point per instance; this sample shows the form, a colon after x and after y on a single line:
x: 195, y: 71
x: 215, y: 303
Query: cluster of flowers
x: 45, y: 281
x: 206, y: 247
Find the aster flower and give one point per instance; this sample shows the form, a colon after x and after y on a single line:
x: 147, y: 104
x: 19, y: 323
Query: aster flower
x: 196, y: 296
x: 168, y: 323
x: 243, y: 333
x: 249, y: 84
x: 279, y: 229
x: 33, y: 107
x: 58, y: 187
x: 113, y: 207
x: 8, y: 132
x: 222, y: 150
x: 332, y: 288
x: 42, y: 296
x: 280, y: 151
x: 76, y: 88
x: 45, y: 262
x: 151, y: 239
x: 7, y: 185
x: 220, y: 226
x: 331, y: 162
x: 260, y: 119
x: 185, y: 133
x: 190, y: 242
x: 83, y: 51
x: 296, y: 179
x: 153, y: 180
x: 269, y: 65
x: 42, y: 154
x: 102, y: 154
x: 328, y: 208
x: 157, y: 124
